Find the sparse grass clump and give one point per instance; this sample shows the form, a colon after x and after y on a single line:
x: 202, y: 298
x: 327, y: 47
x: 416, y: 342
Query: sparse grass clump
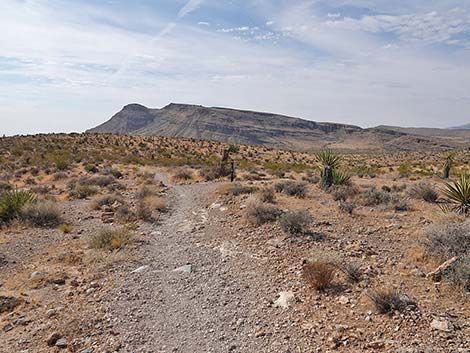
x: 267, y: 195
x: 12, y: 202
x: 259, y: 212
x: 66, y: 228
x: 146, y: 207
x: 183, y: 174
x: 450, y: 240
x: 110, y: 239
x: 296, y: 222
x: 318, y: 275
x: 352, y: 270
x: 347, y: 207
x: 390, y: 300
x: 292, y: 188
x: 42, y: 214
x: 374, y: 197
x: 97, y: 180
x: 84, y: 191
x: 424, y: 191
x: 238, y: 189
x: 107, y: 200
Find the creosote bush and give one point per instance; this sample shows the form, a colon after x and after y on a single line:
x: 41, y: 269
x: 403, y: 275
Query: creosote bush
x: 389, y: 300
x: 183, y: 174
x: 110, y: 239
x: 292, y: 188
x: 296, y: 222
x: 446, y: 241
x: 42, y: 214
x: 424, y: 191
x: 318, y: 275
x: 259, y: 212
x: 267, y: 195
x: 238, y: 189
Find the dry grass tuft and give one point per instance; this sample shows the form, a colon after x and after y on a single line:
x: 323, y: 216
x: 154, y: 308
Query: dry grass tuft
x: 110, y: 239
x: 318, y: 275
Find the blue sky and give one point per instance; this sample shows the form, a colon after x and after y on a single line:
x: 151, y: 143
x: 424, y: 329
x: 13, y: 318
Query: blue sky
x: 70, y: 65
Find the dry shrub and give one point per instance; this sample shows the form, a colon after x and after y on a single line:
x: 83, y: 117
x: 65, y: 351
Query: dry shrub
x: 346, y: 206
x: 149, y: 204
x: 296, y: 222
x: 424, y: 191
x: 292, y: 188
x: 66, y: 228
x: 106, y: 200
x: 43, y: 214
x: 259, y: 213
x: 8, y: 304
x: 238, y: 189
x: 318, y: 275
x: 267, y: 195
x: 183, y: 174
x: 84, y: 191
x: 110, y: 239
x: 374, y: 197
x: 97, y: 180
x: 125, y: 214
x: 389, y: 300
x: 352, y: 270
x: 447, y: 240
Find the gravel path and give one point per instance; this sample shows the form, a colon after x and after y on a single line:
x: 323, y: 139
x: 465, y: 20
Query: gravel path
x: 218, y: 307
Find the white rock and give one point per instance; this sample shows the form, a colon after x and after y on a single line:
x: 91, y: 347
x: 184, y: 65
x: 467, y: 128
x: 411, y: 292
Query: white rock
x: 284, y: 300
x: 441, y: 325
x: 140, y: 269
x: 186, y: 269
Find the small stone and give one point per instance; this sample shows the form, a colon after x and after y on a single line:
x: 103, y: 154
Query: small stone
x: 186, y: 269
x: 51, y: 312
x: 343, y: 300
x: 284, y: 300
x: 444, y: 325
x: 61, y: 343
x: 51, y: 341
x: 140, y: 269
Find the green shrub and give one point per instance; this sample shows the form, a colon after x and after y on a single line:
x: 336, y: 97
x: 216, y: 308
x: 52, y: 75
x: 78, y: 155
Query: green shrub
x: 238, y: 189
x: 340, y: 177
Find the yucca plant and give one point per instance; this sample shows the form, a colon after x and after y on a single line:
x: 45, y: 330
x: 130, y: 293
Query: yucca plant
x: 458, y: 195
x: 340, y: 177
x: 12, y: 202
x: 328, y: 162
x: 327, y: 158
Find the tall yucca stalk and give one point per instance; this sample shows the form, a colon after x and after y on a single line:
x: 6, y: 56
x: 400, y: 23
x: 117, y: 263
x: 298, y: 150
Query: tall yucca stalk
x: 458, y: 195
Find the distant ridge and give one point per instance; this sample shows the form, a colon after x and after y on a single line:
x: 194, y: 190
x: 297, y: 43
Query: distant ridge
x: 259, y: 128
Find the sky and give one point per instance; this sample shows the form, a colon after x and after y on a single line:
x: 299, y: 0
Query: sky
x: 70, y: 65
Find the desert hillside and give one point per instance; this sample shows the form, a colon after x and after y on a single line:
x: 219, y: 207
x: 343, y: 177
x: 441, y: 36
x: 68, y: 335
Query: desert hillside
x: 113, y: 243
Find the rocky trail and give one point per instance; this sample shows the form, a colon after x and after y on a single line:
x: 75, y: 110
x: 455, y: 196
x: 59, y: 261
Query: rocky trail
x: 196, y: 290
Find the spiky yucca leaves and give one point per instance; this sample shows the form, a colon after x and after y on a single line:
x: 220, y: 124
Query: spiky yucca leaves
x: 327, y: 158
x: 458, y: 195
x: 12, y: 202
x: 340, y: 177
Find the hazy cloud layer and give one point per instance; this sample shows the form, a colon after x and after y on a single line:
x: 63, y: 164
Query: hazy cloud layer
x: 69, y: 65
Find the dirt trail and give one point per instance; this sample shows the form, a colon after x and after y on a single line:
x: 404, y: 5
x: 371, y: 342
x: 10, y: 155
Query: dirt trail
x: 219, y: 307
